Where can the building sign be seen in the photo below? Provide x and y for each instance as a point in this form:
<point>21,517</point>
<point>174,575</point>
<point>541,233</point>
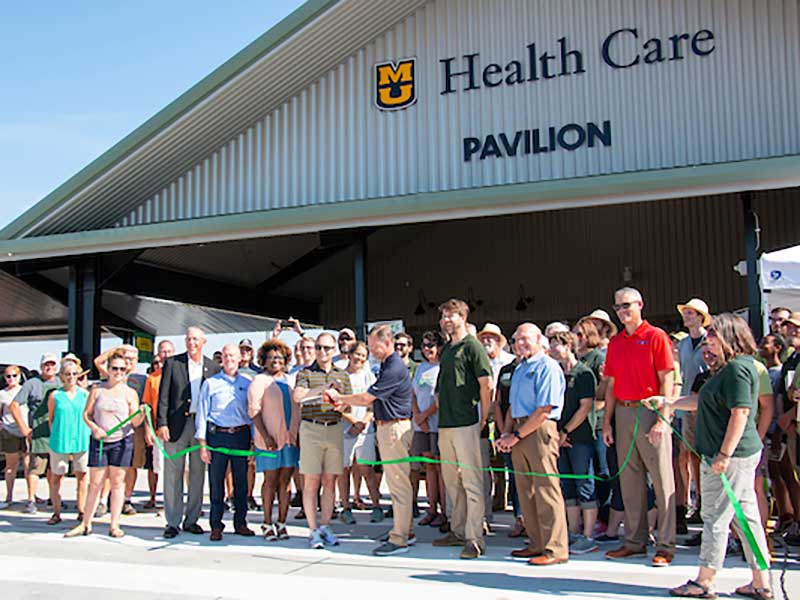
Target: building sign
<point>395,86</point>
<point>144,344</point>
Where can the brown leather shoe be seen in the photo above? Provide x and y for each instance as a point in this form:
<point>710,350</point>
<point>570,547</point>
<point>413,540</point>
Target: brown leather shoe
<point>216,535</point>
<point>624,552</point>
<point>543,560</point>
<point>662,559</point>
<point>525,552</point>
<point>244,530</point>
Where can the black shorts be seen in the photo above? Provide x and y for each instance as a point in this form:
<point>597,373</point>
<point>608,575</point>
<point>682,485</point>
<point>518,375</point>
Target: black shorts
<point>115,454</point>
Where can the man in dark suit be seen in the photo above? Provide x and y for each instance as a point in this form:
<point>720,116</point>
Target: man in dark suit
<point>181,378</point>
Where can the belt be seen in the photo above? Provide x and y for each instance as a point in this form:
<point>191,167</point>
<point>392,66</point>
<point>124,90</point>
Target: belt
<point>323,423</point>
<point>217,429</point>
<point>629,403</point>
<point>521,420</point>
<point>390,421</point>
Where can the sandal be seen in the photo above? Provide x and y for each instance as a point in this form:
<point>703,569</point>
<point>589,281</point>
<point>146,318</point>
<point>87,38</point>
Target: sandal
<point>116,533</point>
<point>692,589</point>
<point>78,530</point>
<point>54,520</point>
<point>359,504</point>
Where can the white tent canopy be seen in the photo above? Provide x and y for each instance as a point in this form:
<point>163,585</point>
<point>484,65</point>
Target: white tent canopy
<point>780,278</point>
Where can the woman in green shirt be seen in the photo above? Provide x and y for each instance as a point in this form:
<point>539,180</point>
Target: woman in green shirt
<point>727,439</point>
<point>69,437</point>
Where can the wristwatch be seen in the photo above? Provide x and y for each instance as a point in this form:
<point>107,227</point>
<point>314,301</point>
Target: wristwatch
<point>516,435</point>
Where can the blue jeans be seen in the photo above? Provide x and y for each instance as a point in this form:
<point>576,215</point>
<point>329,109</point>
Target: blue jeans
<point>578,461</point>
<point>602,488</point>
<point>512,484</point>
<point>239,440</point>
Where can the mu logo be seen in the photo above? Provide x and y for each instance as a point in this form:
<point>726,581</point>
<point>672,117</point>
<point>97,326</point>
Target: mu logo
<point>394,85</point>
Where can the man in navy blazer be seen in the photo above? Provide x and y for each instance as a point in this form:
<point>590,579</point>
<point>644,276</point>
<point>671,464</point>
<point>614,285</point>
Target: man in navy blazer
<point>181,378</point>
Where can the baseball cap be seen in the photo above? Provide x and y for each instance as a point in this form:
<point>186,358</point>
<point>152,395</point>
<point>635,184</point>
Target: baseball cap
<point>246,343</point>
<point>48,357</point>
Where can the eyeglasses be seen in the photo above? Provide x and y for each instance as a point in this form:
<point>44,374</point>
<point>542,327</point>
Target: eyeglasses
<point>624,305</point>
<point>777,320</point>
<point>70,374</point>
<point>512,341</point>
<point>322,348</point>
<point>118,369</point>
<point>275,357</point>
<point>400,345</point>
<point>427,345</point>
<point>711,332</point>
<point>11,375</point>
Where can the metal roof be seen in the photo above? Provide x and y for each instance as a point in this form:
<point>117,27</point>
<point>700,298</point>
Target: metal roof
<point>274,67</point>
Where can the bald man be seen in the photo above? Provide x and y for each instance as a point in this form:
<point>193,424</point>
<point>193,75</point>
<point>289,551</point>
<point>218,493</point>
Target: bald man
<point>181,379</point>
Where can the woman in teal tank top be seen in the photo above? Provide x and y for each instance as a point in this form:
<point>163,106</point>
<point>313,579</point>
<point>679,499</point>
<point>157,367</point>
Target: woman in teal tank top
<point>69,437</point>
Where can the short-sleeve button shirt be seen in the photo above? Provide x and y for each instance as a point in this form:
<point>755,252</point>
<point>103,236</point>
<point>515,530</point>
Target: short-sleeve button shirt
<point>634,360</point>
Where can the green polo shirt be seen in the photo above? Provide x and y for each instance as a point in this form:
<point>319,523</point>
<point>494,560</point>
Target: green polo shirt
<point>461,365</point>
<point>736,385</point>
<point>314,377</point>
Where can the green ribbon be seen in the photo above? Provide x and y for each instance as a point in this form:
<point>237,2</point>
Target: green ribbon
<point>436,461</point>
<point>146,409</point>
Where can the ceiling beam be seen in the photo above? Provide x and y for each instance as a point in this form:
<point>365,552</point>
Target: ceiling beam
<point>144,280</point>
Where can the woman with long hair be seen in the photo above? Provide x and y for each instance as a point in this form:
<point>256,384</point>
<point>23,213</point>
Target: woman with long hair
<point>727,439</point>
<point>275,419</point>
<point>69,437</point>
<point>109,404</point>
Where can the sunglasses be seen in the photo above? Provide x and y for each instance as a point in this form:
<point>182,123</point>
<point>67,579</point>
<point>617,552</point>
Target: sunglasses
<point>118,369</point>
<point>711,332</point>
<point>11,375</point>
<point>400,345</point>
<point>624,305</point>
<point>275,357</point>
<point>322,348</point>
<point>428,345</point>
<point>345,337</point>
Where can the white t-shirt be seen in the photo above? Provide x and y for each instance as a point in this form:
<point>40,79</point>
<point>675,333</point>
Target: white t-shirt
<point>7,421</point>
<point>424,387</point>
<point>361,382</point>
<point>195,380</point>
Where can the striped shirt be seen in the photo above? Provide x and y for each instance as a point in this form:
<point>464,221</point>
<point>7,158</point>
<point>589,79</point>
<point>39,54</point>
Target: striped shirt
<point>314,377</point>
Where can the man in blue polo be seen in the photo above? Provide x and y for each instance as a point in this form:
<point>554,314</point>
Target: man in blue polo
<point>390,397</point>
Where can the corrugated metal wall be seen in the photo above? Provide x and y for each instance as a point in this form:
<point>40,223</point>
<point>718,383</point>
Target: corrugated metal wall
<point>571,261</point>
<point>330,144</point>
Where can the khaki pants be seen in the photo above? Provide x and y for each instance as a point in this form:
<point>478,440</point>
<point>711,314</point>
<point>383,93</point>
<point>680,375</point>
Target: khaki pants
<point>463,487</point>
<point>394,441</point>
<point>645,458</point>
<point>488,477</point>
<point>540,498</point>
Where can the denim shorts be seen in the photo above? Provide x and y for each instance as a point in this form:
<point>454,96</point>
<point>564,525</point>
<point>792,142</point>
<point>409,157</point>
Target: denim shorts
<point>115,454</point>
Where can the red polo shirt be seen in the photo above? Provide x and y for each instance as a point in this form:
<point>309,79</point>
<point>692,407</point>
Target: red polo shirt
<point>635,360</point>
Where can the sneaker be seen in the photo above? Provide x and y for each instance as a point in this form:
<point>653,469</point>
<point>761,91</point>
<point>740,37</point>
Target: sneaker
<point>389,549</point>
<point>30,508</point>
<point>270,532</point>
<point>346,516</point>
<point>315,540</point>
<point>283,534</point>
<point>605,538</point>
<point>127,508</point>
<point>582,545</point>
<point>328,537</point>
<point>471,550</point>
<point>226,504</point>
<point>252,504</point>
<point>101,510</point>
<point>376,516</point>
<point>573,537</point>
<point>412,539</point>
<point>451,539</point>
<point>4,505</point>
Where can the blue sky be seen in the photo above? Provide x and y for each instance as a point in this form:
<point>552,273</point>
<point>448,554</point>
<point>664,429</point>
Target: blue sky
<point>78,76</point>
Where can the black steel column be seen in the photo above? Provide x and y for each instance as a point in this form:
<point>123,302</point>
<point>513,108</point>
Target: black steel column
<point>360,284</point>
<point>752,242</point>
<point>83,298</point>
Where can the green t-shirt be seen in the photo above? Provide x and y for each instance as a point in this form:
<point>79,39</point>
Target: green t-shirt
<point>581,383</point>
<point>457,385</point>
<point>734,386</point>
<point>595,359</point>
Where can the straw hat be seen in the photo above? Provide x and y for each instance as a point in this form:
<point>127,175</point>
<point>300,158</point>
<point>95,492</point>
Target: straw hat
<point>493,330</point>
<point>794,319</point>
<point>600,315</point>
<point>698,306</point>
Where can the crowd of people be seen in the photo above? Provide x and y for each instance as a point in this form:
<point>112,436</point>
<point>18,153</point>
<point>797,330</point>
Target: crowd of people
<point>598,428</point>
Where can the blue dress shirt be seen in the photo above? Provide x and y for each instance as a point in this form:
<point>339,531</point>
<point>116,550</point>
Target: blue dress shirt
<point>537,381</point>
<point>223,402</point>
